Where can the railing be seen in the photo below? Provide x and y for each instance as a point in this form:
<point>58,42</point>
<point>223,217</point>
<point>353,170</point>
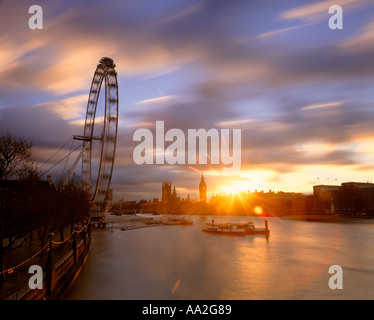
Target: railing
<point>57,276</point>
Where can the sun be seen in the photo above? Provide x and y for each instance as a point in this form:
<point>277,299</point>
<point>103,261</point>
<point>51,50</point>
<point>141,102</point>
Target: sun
<point>231,189</point>
<point>235,186</point>
<point>258,210</point>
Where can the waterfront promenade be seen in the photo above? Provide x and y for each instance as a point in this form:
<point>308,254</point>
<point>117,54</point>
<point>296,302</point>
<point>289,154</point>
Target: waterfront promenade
<point>18,261</point>
<point>16,283</point>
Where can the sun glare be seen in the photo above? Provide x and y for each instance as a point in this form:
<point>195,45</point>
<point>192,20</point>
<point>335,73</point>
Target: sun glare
<point>230,190</point>
<point>258,210</point>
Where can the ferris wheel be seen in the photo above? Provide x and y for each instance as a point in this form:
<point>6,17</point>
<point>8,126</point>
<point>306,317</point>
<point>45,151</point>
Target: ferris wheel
<point>100,135</point>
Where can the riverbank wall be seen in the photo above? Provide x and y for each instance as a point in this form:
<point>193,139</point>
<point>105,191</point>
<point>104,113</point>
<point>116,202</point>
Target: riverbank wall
<point>60,271</point>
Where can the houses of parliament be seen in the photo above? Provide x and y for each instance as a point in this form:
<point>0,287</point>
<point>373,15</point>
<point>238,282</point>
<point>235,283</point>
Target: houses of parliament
<point>171,203</point>
<point>169,196</point>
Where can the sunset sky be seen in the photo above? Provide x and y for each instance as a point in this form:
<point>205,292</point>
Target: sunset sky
<point>302,94</point>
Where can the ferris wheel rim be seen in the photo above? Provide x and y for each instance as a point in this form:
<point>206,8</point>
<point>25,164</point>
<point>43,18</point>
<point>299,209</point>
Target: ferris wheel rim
<point>104,72</point>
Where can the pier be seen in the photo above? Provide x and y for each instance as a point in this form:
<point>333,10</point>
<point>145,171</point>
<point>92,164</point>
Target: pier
<point>264,231</point>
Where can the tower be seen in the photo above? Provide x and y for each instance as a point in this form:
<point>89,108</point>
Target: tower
<point>166,191</point>
<point>174,195</point>
<point>202,189</point>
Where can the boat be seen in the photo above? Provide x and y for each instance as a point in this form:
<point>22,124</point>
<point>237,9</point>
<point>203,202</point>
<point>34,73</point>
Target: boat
<point>236,228</point>
<point>226,228</point>
<point>212,228</point>
<point>152,221</point>
<point>186,221</point>
<point>173,220</point>
<point>232,228</point>
<point>249,227</point>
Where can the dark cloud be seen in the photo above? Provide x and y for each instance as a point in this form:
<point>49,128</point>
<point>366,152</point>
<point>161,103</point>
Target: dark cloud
<point>37,124</point>
<point>327,63</point>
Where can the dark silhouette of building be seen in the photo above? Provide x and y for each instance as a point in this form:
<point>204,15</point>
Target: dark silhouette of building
<point>202,189</point>
<point>324,198</point>
<point>166,191</point>
<point>170,202</point>
<point>350,198</point>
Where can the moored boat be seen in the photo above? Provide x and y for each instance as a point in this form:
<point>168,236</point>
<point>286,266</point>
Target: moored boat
<point>173,220</point>
<point>152,221</point>
<point>248,227</point>
<point>226,228</point>
<point>186,221</point>
<point>236,228</point>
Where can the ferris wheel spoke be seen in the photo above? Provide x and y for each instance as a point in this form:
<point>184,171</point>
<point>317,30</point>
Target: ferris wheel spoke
<point>98,157</point>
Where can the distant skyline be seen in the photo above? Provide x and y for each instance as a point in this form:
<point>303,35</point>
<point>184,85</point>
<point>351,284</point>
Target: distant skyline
<point>302,94</point>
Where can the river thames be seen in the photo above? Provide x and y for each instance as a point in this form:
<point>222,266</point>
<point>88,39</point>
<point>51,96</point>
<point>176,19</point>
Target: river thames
<point>184,263</point>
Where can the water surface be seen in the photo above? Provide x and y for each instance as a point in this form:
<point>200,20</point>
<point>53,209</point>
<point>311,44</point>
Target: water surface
<point>182,262</point>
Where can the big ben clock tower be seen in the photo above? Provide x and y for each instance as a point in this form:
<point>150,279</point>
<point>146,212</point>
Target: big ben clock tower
<point>202,189</point>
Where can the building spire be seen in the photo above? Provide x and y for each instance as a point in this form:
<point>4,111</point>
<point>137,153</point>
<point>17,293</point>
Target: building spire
<point>202,189</point>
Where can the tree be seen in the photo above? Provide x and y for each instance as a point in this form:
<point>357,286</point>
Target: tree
<point>73,204</point>
<point>29,205</point>
<point>15,157</point>
<point>41,208</point>
<point>15,160</point>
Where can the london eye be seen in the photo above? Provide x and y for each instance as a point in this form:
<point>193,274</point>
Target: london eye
<point>100,136</point>
<point>99,139</point>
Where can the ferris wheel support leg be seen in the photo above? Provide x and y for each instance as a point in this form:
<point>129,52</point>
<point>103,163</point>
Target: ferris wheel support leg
<point>76,163</point>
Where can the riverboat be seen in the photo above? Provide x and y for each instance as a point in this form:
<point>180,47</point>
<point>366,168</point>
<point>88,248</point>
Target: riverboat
<point>248,227</point>
<point>226,228</point>
<point>233,228</point>
<point>173,220</point>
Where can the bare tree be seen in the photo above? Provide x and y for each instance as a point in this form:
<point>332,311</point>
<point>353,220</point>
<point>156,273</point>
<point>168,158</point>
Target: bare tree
<point>73,203</point>
<point>29,205</point>
<point>15,160</point>
<point>15,157</point>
